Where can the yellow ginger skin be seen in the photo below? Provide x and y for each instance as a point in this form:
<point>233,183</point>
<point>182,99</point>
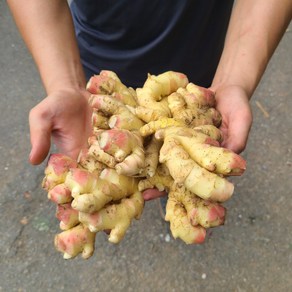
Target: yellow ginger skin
<point>179,110</point>
<point>208,116</point>
<point>211,131</point>
<point>88,162</point>
<point>152,156</point>
<point>216,159</point>
<point>152,104</point>
<point>92,193</point>
<point>99,154</point>
<point>181,226</point>
<point>107,82</point>
<point>154,111</point>
<point>160,180</point>
<point>191,115</point>
<point>119,115</point>
<point>67,216</point>
<point>74,241</point>
<point>60,194</point>
<point>199,136</point>
<point>127,149</point>
<point>164,135</point>
<point>163,85</point>
<point>196,179</point>
<point>115,217</point>
<point>80,181</point>
<point>197,96</point>
<point>118,143</point>
<point>188,214</point>
<point>200,212</point>
<point>100,84</point>
<point>162,123</point>
<point>99,120</point>
<point>57,168</point>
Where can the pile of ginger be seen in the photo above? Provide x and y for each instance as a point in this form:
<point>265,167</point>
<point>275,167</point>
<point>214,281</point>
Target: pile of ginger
<point>164,135</point>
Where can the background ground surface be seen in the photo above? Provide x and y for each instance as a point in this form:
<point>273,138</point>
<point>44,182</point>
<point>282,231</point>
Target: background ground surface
<point>252,252</point>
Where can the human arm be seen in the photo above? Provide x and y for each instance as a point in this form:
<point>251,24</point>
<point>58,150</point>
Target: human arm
<point>255,29</point>
<point>47,29</point>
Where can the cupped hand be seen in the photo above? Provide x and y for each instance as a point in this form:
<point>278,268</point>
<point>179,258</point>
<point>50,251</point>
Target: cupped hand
<point>233,104</point>
<point>63,116</point>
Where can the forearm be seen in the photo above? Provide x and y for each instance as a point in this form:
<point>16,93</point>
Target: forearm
<point>48,31</point>
<point>255,29</point>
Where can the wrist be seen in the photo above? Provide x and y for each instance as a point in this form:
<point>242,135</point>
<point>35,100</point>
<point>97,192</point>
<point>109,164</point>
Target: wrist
<point>66,85</point>
<point>73,93</point>
<point>223,89</point>
<point>71,77</point>
<point>231,74</point>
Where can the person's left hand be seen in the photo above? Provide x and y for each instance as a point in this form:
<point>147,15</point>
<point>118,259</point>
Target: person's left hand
<point>233,104</point>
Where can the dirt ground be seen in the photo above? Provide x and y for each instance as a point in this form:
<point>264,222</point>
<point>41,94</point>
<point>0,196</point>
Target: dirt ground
<point>251,252</point>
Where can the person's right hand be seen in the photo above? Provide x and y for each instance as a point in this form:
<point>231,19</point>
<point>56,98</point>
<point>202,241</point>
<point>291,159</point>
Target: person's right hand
<point>66,117</point>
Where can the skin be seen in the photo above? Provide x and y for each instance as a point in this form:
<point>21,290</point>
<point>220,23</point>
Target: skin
<point>255,29</point>
<point>64,115</point>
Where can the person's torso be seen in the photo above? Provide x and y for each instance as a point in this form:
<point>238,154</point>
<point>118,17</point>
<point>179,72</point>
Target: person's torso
<point>134,38</point>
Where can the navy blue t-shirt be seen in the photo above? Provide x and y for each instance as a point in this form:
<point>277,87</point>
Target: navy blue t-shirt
<point>133,38</point>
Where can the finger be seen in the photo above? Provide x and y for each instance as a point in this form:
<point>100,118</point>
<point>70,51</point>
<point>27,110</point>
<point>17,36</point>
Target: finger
<point>40,137</point>
<point>151,194</point>
<point>237,135</point>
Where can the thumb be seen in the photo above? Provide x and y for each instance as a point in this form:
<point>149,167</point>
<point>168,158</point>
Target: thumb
<point>40,137</point>
<point>236,142</point>
<point>237,135</point>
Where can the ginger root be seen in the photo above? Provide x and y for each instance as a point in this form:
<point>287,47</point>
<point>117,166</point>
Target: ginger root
<point>74,241</point>
<point>81,194</point>
<point>115,217</point>
<point>107,82</point>
<point>164,135</point>
<point>152,97</point>
<point>113,113</point>
<point>186,123</point>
